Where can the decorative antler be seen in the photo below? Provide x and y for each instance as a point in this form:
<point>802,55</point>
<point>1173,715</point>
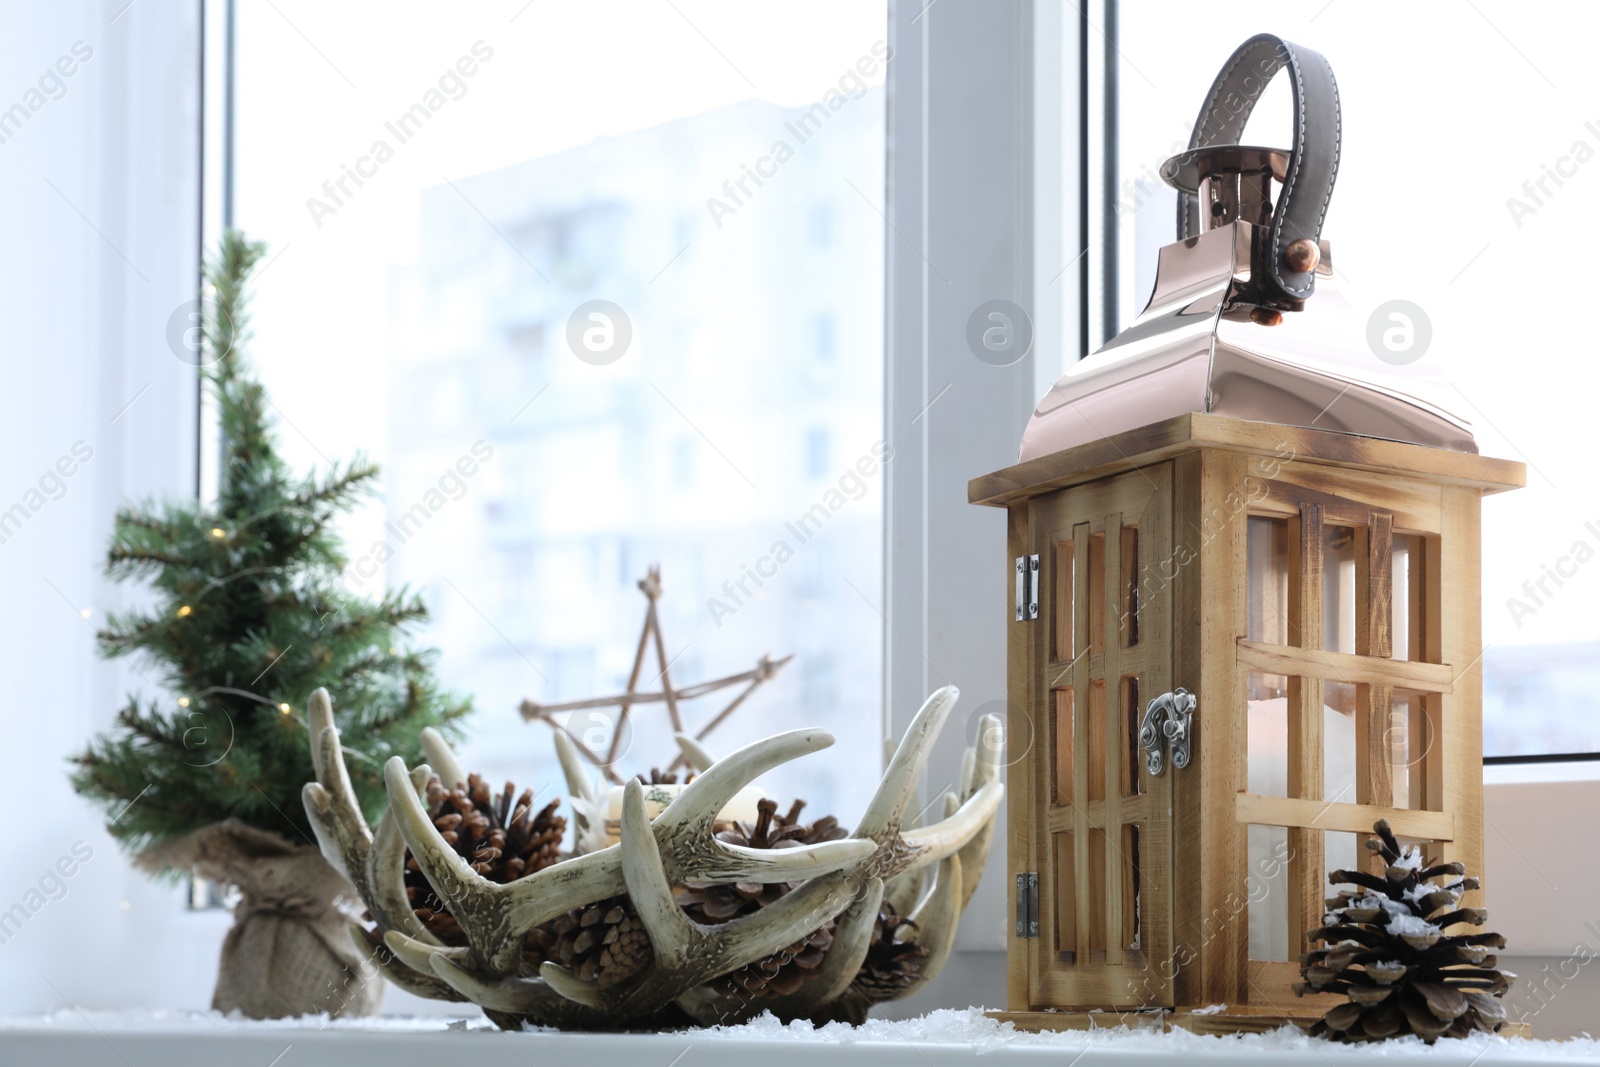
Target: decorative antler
<point>839,881</point>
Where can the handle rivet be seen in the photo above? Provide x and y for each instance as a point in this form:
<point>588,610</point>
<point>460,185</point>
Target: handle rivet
<point>1265,316</point>
<point>1302,255</point>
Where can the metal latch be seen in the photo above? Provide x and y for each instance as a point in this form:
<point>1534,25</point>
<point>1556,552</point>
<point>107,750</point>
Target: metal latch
<point>1028,904</point>
<point>1170,718</point>
<point>1027,575</point>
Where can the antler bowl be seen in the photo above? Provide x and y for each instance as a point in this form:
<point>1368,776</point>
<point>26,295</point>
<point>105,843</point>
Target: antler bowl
<point>926,873</point>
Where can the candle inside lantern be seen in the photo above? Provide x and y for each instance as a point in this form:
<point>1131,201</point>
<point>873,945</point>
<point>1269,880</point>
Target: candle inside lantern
<point>741,807</point>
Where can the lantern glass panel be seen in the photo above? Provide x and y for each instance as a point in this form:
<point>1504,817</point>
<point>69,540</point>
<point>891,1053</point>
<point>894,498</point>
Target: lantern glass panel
<point>1128,596</point>
<point>1406,626</point>
<point>1267,735</point>
<point>1064,745</point>
<point>1338,589</point>
<point>1408,741</point>
<point>1097,917</point>
<point>1342,852</point>
<point>1064,620</point>
<point>1268,893</point>
<point>1130,886</point>
<point>1339,742</point>
<point>1097,593</point>
<point>1066,897</point>
<point>1097,741</point>
<point>1267,563</point>
<point>1131,785</point>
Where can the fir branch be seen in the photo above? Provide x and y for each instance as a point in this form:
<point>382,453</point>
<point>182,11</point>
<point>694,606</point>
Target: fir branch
<point>341,488</point>
<point>129,519</point>
<point>137,558</point>
<point>148,728</point>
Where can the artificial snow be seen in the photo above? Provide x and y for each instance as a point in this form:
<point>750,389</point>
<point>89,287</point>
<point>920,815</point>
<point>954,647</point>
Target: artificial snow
<point>966,1032</point>
<point>1422,889</point>
<point>1407,925</point>
<point>970,1027</point>
<point>1397,909</point>
<point>1410,858</point>
<point>135,1020</point>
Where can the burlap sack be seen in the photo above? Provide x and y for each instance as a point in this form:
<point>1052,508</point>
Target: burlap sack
<point>288,952</point>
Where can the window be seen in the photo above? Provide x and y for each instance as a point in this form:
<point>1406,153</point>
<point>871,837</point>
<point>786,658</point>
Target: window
<point>488,242</point>
<point>826,340</point>
<point>1524,209</point>
<point>820,229</point>
<point>817,458</point>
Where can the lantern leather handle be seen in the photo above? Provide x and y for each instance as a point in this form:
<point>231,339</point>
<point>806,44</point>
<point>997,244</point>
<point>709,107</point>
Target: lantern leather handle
<point>1313,161</point>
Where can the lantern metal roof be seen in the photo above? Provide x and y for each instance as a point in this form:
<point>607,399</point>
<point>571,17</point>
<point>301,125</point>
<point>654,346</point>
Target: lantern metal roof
<point>1207,343</point>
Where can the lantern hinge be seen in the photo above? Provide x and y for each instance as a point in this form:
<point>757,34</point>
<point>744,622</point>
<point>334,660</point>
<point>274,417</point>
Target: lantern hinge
<point>1028,904</point>
<point>1026,570</point>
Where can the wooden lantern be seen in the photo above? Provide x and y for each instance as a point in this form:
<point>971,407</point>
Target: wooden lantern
<point>1243,560</point>
<point>1317,594</point>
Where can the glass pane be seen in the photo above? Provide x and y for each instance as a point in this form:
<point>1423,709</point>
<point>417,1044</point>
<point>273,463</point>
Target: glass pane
<point>1097,893</point>
<point>1129,606</point>
<point>1130,886</point>
<point>1541,698</point>
<point>1409,602</point>
<point>1097,741</point>
<point>1338,589</point>
<point>1409,742</point>
<point>1064,620</point>
<point>591,271</point>
<point>1132,783</point>
<point>1097,594</point>
<point>1267,561</point>
<point>1064,746</point>
<point>1268,893</point>
<point>1341,852</point>
<point>1066,896</point>
<point>1339,742</point>
<point>1267,735</point>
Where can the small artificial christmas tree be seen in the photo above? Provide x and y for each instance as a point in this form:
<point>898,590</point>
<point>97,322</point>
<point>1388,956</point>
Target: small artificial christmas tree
<point>248,617</point>
<point>1386,949</point>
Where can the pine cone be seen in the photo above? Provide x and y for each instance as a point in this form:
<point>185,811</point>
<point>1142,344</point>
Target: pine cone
<point>892,965</point>
<point>786,970</point>
<point>1385,949</point>
<point>501,840</point>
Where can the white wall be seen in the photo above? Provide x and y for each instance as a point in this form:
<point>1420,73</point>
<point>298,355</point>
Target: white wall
<point>1541,866</point>
<point>98,226</point>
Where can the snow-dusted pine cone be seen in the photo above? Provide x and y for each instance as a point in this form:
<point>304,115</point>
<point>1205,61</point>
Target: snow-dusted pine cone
<point>1385,948</point>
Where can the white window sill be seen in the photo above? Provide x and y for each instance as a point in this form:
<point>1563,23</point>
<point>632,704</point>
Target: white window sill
<point>116,1039</point>
<point>1566,771</point>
